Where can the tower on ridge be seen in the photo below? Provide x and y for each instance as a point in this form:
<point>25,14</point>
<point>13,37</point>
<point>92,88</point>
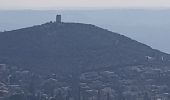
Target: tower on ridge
<point>58,19</point>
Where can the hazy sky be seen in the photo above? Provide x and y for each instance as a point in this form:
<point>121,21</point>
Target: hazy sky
<point>51,4</point>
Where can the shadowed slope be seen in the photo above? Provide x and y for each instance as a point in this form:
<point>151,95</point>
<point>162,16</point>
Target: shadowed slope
<point>72,46</point>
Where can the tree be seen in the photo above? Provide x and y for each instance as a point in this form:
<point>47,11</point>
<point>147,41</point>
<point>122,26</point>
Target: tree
<point>17,97</point>
<point>108,96</point>
<point>146,96</point>
<point>59,96</point>
<point>98,95</point>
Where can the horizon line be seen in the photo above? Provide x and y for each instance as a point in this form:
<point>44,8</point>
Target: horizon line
<point>87,8</point>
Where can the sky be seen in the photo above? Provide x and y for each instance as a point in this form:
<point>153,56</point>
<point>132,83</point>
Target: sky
<point>54,4</point>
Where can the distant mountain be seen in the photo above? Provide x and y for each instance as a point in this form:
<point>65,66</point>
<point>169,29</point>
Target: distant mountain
<point>73,47</point>
<point>145,25</point>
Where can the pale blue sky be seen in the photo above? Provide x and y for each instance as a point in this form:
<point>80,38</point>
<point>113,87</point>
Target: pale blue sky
<point>54,4</point>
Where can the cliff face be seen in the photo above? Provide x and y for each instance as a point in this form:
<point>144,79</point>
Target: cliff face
<point>68,47</point>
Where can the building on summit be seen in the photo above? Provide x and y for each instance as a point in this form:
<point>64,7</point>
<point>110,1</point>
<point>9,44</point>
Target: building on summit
<point>58,19</point>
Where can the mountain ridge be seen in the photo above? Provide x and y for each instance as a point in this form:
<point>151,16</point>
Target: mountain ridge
<point>60,47</point>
